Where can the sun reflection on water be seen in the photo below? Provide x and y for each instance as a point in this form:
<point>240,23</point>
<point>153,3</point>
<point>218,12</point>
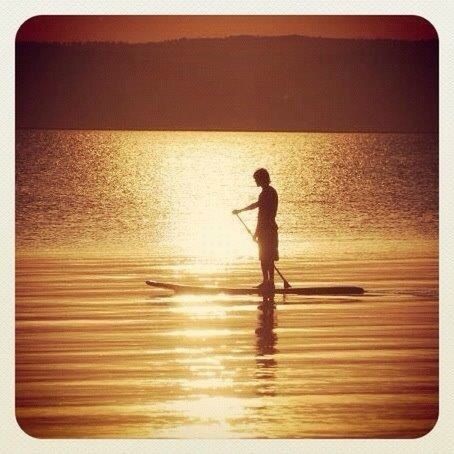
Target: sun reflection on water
<point>211,312</point>
<point>209,416</point>
<point>209,383</point>
<point>200,333</point>
<point>198,191</point>
<point>208,407</point>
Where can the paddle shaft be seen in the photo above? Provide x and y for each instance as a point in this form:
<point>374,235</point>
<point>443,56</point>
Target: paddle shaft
<point>286,283</point>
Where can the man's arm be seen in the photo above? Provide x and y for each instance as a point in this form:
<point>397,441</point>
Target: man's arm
<point>252,206</point>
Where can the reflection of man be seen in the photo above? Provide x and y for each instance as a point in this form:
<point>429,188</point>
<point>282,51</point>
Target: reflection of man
<point>266,231</point>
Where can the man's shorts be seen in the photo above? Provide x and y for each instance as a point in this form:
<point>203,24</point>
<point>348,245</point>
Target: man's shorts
<point>268,245</point>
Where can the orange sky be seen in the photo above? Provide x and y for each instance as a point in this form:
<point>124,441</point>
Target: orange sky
<point>159,28</point>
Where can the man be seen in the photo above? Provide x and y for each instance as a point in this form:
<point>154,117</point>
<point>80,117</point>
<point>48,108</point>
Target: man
<point>266,231</point>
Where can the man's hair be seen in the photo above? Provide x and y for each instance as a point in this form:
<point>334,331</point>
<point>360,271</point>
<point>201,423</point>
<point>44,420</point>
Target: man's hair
<point>262,175</point>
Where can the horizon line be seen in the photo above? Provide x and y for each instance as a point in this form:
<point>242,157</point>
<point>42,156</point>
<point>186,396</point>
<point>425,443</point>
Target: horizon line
<point>229,130</point>
<point>207,38</point>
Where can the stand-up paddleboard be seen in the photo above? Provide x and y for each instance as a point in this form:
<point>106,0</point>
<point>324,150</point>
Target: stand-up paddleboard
<point>194,289</point>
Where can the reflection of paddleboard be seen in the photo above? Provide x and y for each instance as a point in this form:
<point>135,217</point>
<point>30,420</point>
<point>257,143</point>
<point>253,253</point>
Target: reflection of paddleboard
<point>343,290</point>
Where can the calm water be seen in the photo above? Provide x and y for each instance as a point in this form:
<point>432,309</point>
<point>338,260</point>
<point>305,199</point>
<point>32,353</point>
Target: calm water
<point>161,193</point>
<point>98,354</point>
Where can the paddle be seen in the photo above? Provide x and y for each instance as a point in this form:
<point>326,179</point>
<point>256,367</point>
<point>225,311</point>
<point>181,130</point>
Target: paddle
<point>286,283</point>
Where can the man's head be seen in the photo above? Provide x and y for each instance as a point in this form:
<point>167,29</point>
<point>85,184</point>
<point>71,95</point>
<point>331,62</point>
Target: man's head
<point>262,177</point>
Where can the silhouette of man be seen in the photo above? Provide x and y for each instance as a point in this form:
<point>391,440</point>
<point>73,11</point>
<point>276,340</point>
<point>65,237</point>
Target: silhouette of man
<point>266,232</point>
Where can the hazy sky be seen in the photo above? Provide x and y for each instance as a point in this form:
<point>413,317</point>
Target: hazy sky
<point>159,28</point>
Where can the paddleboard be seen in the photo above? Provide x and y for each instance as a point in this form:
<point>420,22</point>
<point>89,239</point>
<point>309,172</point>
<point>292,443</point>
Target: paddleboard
<point>194,289</point>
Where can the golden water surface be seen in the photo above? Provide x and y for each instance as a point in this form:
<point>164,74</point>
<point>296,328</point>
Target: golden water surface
<point>100,354</point>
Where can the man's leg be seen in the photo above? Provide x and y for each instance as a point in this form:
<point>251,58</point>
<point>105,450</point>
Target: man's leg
<point>264,266</point>
<point>271,272</point>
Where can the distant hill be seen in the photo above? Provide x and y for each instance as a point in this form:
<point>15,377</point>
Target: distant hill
<point>289,83</point>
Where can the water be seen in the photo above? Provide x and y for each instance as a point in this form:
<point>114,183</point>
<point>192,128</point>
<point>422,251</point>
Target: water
<point>99,354</point>
<point>161,193</point>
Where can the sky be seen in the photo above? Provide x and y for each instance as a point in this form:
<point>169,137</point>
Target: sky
<point>136,29</point>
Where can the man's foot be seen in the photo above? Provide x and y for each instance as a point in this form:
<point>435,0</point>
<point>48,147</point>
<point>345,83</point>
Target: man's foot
<point>262,285</point>
<point>266,288</point>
